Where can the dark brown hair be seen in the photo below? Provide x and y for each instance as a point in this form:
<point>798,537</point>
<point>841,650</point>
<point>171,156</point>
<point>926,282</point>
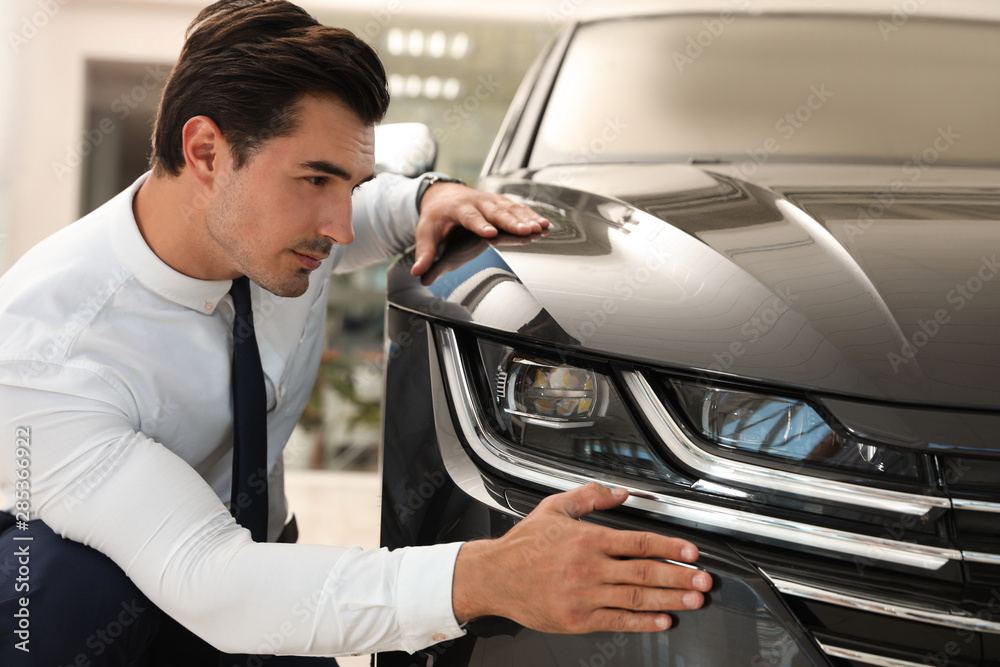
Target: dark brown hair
<point>247,63</point>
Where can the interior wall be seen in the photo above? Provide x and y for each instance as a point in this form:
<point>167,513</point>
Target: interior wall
<point>48,126</point>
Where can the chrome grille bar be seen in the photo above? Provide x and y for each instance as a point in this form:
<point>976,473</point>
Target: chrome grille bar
<point>866,658</point>
<point>936,616</point>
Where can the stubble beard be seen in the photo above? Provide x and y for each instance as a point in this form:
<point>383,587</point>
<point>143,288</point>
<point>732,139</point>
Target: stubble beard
<point>226,223</point>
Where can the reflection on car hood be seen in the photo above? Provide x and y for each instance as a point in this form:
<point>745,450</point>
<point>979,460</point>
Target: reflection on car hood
<point>862,281</point>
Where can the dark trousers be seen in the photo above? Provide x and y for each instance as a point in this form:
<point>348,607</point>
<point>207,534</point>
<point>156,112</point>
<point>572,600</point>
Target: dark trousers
<point>70,605</point>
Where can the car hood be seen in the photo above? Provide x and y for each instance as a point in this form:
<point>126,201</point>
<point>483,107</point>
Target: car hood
<point>872,282</point>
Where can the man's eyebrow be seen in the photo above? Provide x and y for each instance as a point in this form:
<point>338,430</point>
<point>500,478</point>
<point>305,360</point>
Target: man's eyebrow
<point>325,167</point>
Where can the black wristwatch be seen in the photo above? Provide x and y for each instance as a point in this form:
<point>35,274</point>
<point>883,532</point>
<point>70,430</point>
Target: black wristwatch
<point>429,179</point>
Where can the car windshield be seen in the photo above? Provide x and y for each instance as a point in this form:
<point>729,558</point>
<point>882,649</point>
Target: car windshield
<point>776,87</point>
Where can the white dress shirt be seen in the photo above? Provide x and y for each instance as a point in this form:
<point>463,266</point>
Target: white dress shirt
<point>120,368</point>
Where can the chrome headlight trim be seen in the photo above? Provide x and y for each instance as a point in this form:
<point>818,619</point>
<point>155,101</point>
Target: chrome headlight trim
<point>497,455</point>
<point>767,479</point>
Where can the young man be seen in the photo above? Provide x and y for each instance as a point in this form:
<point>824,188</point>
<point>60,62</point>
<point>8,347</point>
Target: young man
<point>117,337</point>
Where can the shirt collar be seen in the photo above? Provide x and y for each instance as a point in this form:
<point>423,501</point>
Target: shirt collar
<point>154,274</point>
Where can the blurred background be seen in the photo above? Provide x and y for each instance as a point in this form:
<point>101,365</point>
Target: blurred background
<point>81,80</point>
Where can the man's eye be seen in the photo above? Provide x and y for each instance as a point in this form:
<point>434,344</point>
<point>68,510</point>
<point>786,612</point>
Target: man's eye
<point>316,180</point>
<point>355,189</point>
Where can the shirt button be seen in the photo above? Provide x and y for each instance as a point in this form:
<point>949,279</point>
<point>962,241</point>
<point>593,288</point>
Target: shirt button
<point>438,637</point>
<point>208,306</point>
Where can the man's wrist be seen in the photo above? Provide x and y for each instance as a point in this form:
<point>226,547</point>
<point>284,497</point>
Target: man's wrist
<point>429,179</point>
<point>466,600</point>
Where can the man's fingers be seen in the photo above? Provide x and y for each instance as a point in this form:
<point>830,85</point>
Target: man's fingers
<point>591,497</point>
<point>423,256</point>
<point>641,598</point>
<point>427,238</point>
<point>476,221</point>
<point>627,621</point>
<point>508,222</point>
<point>635,544</point>
<point>516,218</point>
<point>422,261</point>
<point>654,573</point>
<point>585,499</point>
<point>509,215</point>
<point>489,212</point>
<point>638,609</point>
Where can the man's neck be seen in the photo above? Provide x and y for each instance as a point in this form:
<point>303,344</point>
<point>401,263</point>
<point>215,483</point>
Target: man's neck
<point>173,227</point>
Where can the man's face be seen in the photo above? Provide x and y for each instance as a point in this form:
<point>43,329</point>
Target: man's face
<point>277,217</point>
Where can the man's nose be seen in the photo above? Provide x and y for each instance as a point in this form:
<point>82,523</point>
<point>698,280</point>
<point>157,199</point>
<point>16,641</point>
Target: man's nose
<point>336,222</point>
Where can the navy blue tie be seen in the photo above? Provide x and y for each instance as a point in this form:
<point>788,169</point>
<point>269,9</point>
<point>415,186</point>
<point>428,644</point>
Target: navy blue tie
<point>249,499</point>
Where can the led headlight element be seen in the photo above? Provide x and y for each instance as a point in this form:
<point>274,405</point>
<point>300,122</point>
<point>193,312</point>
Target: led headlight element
<point>556,396</point>
<point>785,428</point>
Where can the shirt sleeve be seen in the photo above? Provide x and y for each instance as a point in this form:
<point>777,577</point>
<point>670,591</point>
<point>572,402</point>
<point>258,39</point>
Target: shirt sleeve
<point>385,221</point>
<point>97,481</point>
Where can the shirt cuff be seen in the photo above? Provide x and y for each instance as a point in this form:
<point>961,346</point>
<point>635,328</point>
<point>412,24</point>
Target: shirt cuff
<point>423,598</point>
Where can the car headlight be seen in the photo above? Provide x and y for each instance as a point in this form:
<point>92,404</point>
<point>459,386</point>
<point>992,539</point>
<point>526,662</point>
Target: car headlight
<point>786,429</point>
<point>566,414</point>
<point>553,396</point>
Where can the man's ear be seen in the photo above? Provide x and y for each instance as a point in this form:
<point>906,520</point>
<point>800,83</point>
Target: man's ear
<point>204,148</point>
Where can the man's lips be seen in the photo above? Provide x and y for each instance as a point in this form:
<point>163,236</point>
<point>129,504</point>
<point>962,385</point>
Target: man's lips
<point>311,262</point>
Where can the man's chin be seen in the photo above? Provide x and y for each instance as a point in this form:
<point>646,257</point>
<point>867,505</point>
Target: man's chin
<point>287,287</point>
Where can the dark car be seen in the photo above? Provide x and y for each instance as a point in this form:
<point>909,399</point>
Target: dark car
<point>768,305</point>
